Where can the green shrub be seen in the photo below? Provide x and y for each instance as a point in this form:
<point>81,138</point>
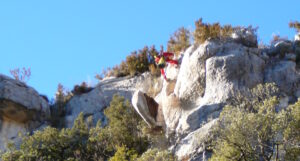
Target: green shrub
<point>256,133</point>
<point>136,63</point>
<point>82,143</point>
<point>82,88</point>
<point>157,155</point>
<point>58,108</point>
<point>179,41</point>
<point>124,154</point>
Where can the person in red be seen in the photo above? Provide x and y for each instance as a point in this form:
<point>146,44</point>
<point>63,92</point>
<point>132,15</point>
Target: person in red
<point>162,59</point>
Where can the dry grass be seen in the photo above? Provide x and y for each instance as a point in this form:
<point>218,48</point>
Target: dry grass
<point>170,87</point>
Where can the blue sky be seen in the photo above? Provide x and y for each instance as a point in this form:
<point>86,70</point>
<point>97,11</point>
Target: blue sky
<point>69,41</point>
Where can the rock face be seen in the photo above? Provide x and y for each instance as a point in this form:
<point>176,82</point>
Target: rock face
<point>94,102</point>
<point>284,74</point>
<point>148,109</point>
<point>194,143</point>
<point>246,36</point>
<point>212,74</point>
<point>22,110</point>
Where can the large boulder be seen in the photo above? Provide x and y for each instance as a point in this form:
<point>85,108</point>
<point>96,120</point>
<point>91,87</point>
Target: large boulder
<point>191,78</point>
<point>22,110</point>
<point>94,102</point>
<point>148,109</point>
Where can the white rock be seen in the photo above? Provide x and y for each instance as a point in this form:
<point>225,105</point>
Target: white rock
<point>191,78</point>
<point>192,145</point>
<point>140,104</point>
<point>94,102</point>
<point>18,92</point>
<point>22,110</point>
<point>297,37</point>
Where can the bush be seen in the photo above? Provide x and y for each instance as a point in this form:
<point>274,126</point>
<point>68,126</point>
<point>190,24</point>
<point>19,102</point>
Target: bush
<point>179,41</point>
<point>295,25</point>
<point>121,135</point>
<point>81,89</point>
<point>58,107</point>
<point>157,155</point>
<point>256,133</point>
<point>204,31</point>
<point>136,63</point>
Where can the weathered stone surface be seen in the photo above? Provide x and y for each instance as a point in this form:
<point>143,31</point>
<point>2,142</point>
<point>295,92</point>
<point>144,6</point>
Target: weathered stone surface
<point>193,145</point>
<point>284,74</point>
<point>94,102</point>
<point>281,47</point>
<point>233,69</point>
<point>22,110</point>
<point>20,93</point>
<point>245,36</point>
<point>191,78</point>
<point>148,109</point>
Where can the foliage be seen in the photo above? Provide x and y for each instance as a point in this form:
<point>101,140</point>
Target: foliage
<point>204,31</point>
<point>21,75</point>
<point>124,154</point>
<point>291,124</point>
<point>123,129</point>
<point>295,25</point>
<point>156,155</point>
<point>179,41</point>
<point>57,108</point>
<point>120,138</point>
<point>136,63</point>
<point>82,88</point>
<point>255,133</point>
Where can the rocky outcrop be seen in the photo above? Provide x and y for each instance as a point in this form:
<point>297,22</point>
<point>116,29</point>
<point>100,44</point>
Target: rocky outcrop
<point>94,102</point>
<point>211,75</point>
<point>245,36</point>
<point>194,146</point>
<point>22,110</point>
<point>285,75</point>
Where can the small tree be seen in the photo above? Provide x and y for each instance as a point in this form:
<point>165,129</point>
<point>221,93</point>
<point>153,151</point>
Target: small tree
<point>179,41</point>
<point>21,75</point>
<point>295,25</point>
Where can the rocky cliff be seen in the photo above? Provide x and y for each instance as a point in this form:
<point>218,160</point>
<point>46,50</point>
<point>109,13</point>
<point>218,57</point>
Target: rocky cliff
<point>210,76</point>
<point>22,110</point>
<point>186,106</point>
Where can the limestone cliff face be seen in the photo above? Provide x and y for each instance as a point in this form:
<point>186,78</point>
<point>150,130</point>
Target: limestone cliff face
<point>22,110</point>
<point>209,76</point>
<point>186,106</point>
<point>93,103</point>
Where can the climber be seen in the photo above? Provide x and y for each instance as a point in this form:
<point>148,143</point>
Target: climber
<point>162,59</point>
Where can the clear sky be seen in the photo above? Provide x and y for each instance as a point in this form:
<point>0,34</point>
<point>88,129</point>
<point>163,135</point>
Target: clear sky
<point>69,41</point>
